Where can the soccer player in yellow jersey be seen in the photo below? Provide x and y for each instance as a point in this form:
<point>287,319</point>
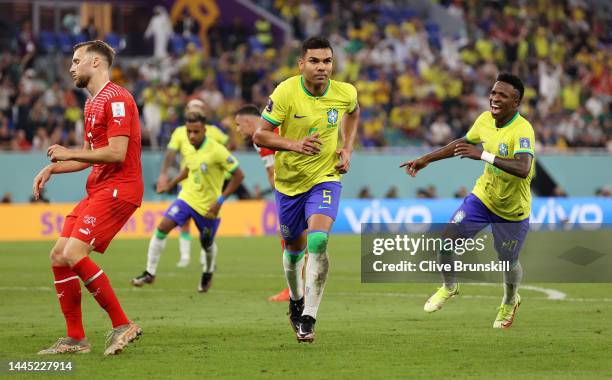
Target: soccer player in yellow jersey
<point>309,110</point>
<point>200,199</point>
<point>502,194</point>
<point>179,144</point>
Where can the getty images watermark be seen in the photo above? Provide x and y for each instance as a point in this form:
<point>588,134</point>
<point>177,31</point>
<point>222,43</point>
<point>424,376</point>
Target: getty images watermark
<point>412,246</point>
<point>422,252</point>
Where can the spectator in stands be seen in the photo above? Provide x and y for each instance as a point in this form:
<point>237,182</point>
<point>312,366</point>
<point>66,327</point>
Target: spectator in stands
<point>391,193</point>
<point>160,29</point>
<point>364,193</point>
<point>7,198</point>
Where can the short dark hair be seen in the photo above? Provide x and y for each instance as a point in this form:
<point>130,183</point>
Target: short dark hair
<point>316,43</point>
<point>100,47</point>
<point>514,81</point>
<point>195,117</point>
<point>248,109</point>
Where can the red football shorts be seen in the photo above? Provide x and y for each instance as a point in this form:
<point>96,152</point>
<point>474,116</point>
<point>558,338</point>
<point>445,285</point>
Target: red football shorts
<point>96,219</point>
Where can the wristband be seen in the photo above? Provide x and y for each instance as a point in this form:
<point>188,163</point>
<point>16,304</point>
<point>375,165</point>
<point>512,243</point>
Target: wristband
<point>221,199</point>
<point>488,157</point>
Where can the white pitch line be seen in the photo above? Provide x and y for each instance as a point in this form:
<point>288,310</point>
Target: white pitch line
<point>551,294</point>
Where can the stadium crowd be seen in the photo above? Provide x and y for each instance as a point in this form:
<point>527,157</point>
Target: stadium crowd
<point>416,85</point>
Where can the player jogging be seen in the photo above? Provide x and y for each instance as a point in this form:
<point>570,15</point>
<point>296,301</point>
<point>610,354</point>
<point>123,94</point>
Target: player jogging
<point>247,121</point>
<point>308,109</point>
<point>114,191</point>
<point>501,196</point>
<point>200,199</point>
<point>179,144</point>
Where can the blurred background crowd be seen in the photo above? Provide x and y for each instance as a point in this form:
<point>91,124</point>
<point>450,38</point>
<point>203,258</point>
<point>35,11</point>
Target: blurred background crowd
<point>421,81</point>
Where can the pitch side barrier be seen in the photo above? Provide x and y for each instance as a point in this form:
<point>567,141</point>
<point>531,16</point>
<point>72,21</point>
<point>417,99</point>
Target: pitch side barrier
<point>258,218</point>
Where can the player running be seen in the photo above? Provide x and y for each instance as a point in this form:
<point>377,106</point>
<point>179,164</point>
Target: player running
<point>309,109</point>
<point>200,199</point>
<point>114,191</point>
<point>179,145</point>
<point>502,195</point>
<point>247,120</point>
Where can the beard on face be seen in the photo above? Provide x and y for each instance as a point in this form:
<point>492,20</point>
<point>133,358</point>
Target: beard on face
<point>81,82</point>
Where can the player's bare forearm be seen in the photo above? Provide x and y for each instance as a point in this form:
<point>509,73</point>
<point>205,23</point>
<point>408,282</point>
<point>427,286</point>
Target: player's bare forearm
<point>450,150</point>
<point>111,153</point>
<point>447,151</point>
<point>67,167</point>
<point>348,128</point>
<point>266,138</point>
<point>519,166</point>
<point>234,183</point>
<point>176,180</point>
<point>270,173</point>
<point>169,158</point>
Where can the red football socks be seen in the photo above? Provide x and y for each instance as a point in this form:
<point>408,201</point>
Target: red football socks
<point>99,286</point>
<point>68,288</point>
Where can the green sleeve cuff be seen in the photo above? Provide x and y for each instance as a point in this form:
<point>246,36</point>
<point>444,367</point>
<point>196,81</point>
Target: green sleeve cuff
<point>270,120</point>
<point>232,170</point>
<point>524,151</point>
<point>468,140</point>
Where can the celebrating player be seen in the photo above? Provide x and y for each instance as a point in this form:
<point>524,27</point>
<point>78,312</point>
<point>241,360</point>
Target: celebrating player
<point>247,120</point>
<point>308,109</point>
<point>179,144</point>
<point>114,191</point>
<point>200,199</point>
<point>502,194</point>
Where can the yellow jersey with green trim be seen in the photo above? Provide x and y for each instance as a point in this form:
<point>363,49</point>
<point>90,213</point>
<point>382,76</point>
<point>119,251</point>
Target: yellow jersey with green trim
<point>207,166</point>
<point>506,195</point>
<point>180,142</point>
<point>298,114</point>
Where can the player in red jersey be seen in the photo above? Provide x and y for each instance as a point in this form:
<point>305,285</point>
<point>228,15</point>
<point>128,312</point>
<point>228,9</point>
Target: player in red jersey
<point>114,191</point>
<point>247,120</point>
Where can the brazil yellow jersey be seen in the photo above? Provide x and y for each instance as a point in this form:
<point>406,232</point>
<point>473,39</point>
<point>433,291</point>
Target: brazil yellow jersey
<point>207,166</point>
<point>506,195</point>
<point>180,142</point>
<point>299,114</point>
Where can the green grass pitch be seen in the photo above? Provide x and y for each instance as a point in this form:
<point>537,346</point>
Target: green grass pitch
<point>363,330</point>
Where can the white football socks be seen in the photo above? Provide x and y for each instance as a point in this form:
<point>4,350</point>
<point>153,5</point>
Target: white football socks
<point>293,263</point>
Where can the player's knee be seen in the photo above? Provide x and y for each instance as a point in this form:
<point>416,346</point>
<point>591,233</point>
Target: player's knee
<point>207,241</point>
<point>317,242</point>
<point>57,256</point>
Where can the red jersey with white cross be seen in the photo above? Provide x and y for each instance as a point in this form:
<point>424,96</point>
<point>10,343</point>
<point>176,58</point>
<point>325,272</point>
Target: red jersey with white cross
<point>113,112</point>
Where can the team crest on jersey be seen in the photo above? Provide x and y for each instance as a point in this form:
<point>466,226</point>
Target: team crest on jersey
<point>459,215</point>
<point>503,149</point>
<point>332,116</point>
<point>524,143</point>
<point>284,230</point>
<point>270,105</point>
<point>203,167</point>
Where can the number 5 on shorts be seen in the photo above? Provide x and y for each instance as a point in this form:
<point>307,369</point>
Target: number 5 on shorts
<point>327,196</point>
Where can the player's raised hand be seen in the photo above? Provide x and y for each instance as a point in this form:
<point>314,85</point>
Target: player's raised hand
<point>309,145</point>
<point>413,166</point>
<point>58,153</point>
<point>39,182</point>
<point>465,150</point>
<point>344,161</point>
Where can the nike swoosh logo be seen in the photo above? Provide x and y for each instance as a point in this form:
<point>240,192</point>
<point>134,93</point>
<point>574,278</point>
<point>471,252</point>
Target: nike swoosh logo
<point>299,117</point>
